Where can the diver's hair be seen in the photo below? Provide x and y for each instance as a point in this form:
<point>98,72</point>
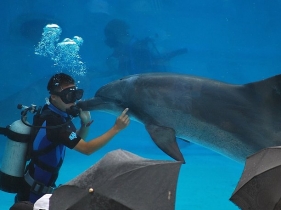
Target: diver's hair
<point>59,80</point>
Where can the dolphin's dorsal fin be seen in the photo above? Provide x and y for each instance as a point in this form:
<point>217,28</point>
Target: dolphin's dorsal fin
<point>165,139</point>
<point>271,83</point>
<point>267,93</point>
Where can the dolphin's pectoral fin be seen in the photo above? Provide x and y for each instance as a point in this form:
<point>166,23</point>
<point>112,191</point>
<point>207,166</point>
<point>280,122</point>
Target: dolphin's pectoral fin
<point>165,139</point>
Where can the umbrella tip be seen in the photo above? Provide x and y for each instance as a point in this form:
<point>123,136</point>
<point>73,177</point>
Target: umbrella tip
<point>91,190</point>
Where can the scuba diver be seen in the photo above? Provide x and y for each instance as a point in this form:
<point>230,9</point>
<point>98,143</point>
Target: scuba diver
<point>53,131</point>
<point>131,55</point>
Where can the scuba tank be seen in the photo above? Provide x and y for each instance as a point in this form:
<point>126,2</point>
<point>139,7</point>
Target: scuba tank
<point>20,136</point>
<point>14,157</point>
<point>15,153</point>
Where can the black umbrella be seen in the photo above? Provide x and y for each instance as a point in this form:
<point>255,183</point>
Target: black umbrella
<point>121,180</point>
<point>259,187</point>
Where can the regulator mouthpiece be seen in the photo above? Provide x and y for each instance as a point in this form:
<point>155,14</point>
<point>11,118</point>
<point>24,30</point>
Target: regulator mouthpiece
<point>74,111</point>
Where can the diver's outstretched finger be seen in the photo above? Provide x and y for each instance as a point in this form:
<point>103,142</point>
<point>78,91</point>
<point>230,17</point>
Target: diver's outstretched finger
<point>124,112</point>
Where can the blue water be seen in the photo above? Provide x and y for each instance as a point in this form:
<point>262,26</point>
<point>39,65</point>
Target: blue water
<point>233,41</point>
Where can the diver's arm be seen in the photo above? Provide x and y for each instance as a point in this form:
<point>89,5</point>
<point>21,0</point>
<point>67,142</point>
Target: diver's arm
<point>95,144</point>
<point>172,54</point>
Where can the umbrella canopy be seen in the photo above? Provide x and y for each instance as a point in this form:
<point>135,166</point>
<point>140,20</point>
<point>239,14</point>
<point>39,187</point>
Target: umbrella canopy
<point>259,187</point>
<point>121,180</point>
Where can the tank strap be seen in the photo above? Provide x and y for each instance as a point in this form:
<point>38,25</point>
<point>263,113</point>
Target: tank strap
<point>37,187</point>
<point>46,167</point>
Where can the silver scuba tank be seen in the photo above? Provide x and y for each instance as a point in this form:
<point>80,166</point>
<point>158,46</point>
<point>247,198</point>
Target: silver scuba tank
<point>14,157</point>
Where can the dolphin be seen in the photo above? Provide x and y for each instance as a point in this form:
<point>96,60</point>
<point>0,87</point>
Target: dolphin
<point>233,120</point>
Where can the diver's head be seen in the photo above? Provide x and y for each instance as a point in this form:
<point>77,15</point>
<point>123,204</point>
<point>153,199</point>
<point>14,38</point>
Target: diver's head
<point>115,32</point>
<point>63,92</point>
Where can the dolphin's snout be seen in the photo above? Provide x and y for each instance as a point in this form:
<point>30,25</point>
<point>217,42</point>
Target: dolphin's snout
<point>90,104</point>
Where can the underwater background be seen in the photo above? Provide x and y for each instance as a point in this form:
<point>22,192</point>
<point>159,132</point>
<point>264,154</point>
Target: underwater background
<point>233,41</point>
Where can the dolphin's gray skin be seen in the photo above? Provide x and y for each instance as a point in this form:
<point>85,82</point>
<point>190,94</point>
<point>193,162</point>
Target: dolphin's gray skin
<point>234,120</point>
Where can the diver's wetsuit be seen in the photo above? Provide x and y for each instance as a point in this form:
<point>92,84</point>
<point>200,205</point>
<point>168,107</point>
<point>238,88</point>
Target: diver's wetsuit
<point>48,152</point>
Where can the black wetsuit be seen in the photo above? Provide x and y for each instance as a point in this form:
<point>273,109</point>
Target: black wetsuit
<point>48,152</point>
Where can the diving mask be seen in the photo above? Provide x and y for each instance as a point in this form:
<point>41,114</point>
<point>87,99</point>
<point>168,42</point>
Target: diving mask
<point>69,95</point>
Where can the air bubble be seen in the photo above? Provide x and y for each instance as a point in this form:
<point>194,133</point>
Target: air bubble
<point>65,54</point>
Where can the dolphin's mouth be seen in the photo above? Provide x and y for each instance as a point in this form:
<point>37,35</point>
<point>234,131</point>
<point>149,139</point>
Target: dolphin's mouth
<point>90,104</point>
<point>96,102</point>
<point>107,100</point>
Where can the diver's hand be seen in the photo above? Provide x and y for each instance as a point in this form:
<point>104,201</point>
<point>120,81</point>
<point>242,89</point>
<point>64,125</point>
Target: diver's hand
<point>85,116</point>
<point>122,121</point>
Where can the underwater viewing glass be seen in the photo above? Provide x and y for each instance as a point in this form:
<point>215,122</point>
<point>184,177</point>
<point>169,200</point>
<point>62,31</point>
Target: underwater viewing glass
<point>70,95</point>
